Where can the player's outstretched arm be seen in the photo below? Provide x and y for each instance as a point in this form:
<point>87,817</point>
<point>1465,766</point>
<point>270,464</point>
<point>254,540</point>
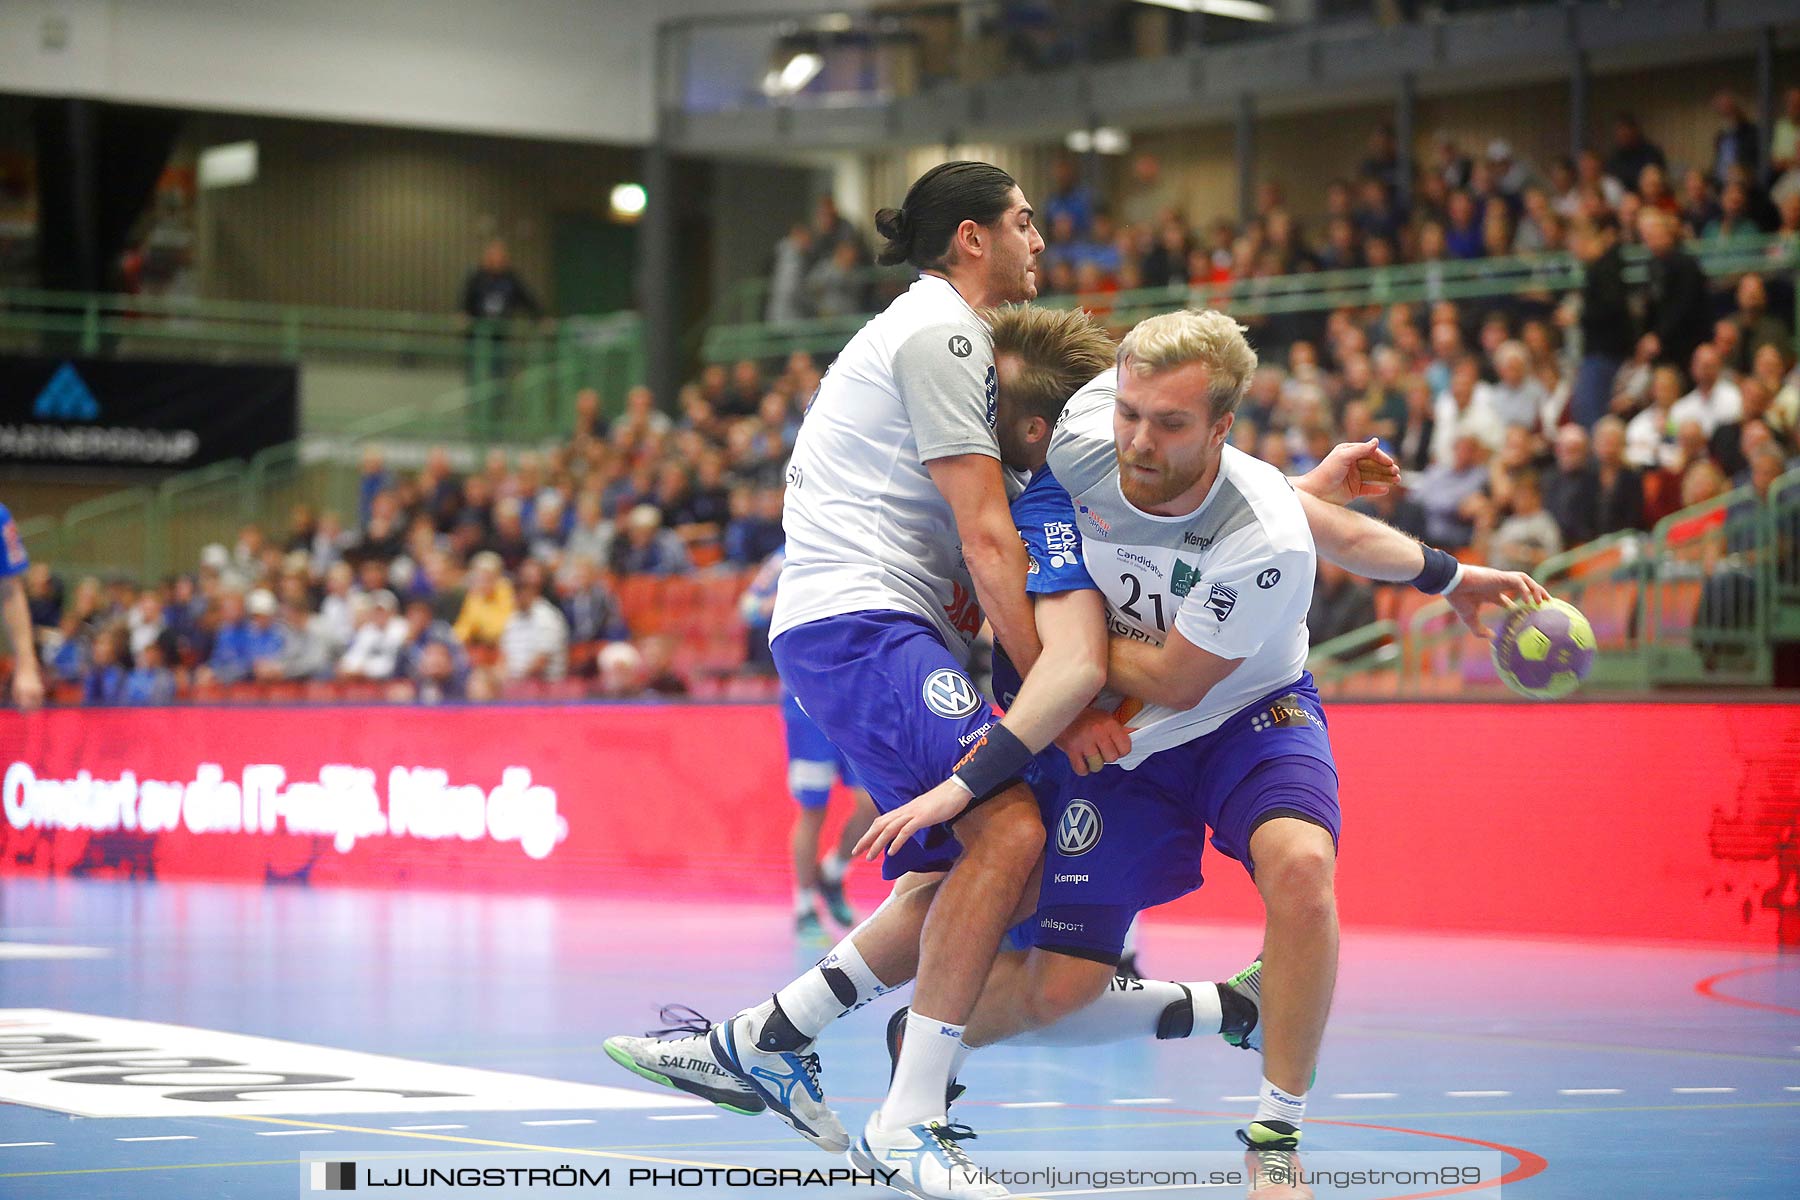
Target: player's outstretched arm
<point>1375,550</point>
<point>1068,674</point>
<point>1351,470</point>
<point>976,490</point>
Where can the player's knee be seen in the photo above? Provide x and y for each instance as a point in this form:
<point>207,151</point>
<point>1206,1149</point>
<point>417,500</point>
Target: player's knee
<point>1065,986</point>
<point>1298,876</point>
<point>1012,831</point>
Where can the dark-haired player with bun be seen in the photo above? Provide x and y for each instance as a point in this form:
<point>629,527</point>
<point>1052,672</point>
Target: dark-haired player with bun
<point>899,540</point>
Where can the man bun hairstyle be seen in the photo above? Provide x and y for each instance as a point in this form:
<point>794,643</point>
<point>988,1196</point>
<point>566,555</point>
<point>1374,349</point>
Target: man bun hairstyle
<point>921,229</point>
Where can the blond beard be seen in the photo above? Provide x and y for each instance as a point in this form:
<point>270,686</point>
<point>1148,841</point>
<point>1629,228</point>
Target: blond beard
<point>1166,487</point>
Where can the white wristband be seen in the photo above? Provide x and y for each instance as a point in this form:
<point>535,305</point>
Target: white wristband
<point>958,781</point>
<point>1454,580</point>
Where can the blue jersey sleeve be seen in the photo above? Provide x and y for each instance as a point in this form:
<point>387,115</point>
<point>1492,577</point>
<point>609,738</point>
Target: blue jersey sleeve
<point>12,546</point>
<point>1045,517</point>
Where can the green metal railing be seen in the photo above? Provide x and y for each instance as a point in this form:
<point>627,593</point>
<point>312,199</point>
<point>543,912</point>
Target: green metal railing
<point>1313,291</point>
<point>1783,540</point>
<point>1706,594</point>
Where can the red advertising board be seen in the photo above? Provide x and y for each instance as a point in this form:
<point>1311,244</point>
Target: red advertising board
<point>1664,821</point>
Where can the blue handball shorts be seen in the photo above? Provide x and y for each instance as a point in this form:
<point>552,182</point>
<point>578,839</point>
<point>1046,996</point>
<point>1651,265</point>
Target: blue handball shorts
<point>814,764</point>
<point>889,694</point>
<point>1120,841</point>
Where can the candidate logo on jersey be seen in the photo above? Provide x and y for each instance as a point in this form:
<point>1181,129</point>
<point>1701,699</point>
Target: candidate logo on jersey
<point>1184,579</point>
<point>1268,579</point>
<point>948,693</point>
<point>1221,600</point>
<point>1079,829</point>
<point>961,346</point>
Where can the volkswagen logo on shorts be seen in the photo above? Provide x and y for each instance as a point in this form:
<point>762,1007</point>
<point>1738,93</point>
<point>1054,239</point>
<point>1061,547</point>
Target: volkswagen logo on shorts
<point>949,694</point>
<point>1079,830</point>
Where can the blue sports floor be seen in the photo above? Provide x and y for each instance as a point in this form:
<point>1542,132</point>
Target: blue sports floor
<point>1600,1071</point>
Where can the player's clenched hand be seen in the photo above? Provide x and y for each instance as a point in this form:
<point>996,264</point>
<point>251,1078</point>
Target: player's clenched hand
<point>1352,469</point>
<point>891,829</point>
<point>1094,739</point>
<point>1482,586</point>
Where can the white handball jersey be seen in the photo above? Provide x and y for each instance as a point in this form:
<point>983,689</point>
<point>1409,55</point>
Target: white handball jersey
<point>866,527</point>
<point>1234,577</point>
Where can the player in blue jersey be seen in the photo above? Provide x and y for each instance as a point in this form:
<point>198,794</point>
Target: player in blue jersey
<point>27,678</point>
<point>814,766</point>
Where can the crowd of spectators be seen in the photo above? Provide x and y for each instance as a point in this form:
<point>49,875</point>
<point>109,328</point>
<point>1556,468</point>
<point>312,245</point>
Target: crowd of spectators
<point>448,585</point>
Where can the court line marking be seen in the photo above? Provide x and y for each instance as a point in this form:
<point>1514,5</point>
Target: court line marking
<point>413,1128</point>
<point>15,1145</point>
<point>291,1132</point>
<point>567,1121</point>
<point>1708,987</point>
<point>1365,1095</point>
<point>1590,1091</point>
<point>1477,1095</point>
<point>687,1117</point>
<point>1144,1100</point>
<point>1701,1091</point>
<point>1238,1099</point>
<point>1555,1044</point>
<point>166,1137</point>
<point>1033,1104</point>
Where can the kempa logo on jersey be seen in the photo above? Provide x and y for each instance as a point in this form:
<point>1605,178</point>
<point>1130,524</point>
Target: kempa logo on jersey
<point>950,695</point>
<point>1078,831</point>
<point>1195,540</point>
<point>1268,579</point>
<point>961,346</point>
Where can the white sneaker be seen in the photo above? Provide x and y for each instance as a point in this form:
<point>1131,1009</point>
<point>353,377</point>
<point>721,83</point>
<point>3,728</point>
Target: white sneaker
<point>926,1161</point>
<point>686,1063</point>
<point>784,1077</point>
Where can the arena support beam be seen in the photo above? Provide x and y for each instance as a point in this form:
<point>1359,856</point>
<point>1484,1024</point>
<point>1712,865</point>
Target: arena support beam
<point>1245,146</point>
<point>1581,79</point>
<point>1406,119</point>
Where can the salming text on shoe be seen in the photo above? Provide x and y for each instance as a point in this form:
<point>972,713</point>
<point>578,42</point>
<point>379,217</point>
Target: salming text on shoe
<point>772,1058</point>
<point>835,904</point>
<point>926,1161</point>
<point>896,1033</point>
<point>686,1063</point>
<point>1272,1160</point>
<point>1240,1001</point>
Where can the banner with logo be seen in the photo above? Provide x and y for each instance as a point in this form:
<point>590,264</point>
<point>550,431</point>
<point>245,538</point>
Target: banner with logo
<point>142,412</point>
<point>1652,821</point>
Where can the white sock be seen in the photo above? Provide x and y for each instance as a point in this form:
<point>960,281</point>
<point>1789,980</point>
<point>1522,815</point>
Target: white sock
<point>832,867</point>
<point>811,1002</point>
<point>927,1059</point>
<point>806,900</point>
<point>1273,1104</point>
<point>1129,1008</point>
<point>963,1050</point>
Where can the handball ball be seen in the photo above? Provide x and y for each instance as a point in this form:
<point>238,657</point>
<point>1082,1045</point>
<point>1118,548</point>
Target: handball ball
<point>1544,651</point>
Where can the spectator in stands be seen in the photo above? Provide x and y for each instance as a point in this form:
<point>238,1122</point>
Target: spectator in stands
<point>1571,494</point>
<point>1416,434</point>
<point>430,656</point>
<point>384,537</point>
<point>834,286</point>
<point>832,229</point>
<point>1608,331</point>
<point>1770,367</point>
<point>1632,152</point>
<point>308,651</point>
<point>1715,400</point>
<point>1341,603</point>
<point>647,548</point>
<point>1621,487</point>
<point>1757,326</point>
<point>1736,144</point>
<point>488,604</point>
<point>150,681</point>
<point>1465,408</point>
<point>621,671</point>
<point>494,291</point>
<point>535,643</point>
<point>330,542</point>
<point>508,539</point>
<point>43,595</point>
<point>546,538</point>
<point>1069,198</point>
<point>788,294</point>
<point>381,633</point>
<point>1650,437</point>
<point>589,606</point>
<point>659,674</point>
<point>1454,493</point>
<point>1516,398</point>
<point>1148,194</point>
<point>1677,309</point>
<point>1699,207</point>
<point>104,680</point>
<point>247,646</point>
<point>1735,222</point>
<point>1528,535</point>
<point>1784,149</point>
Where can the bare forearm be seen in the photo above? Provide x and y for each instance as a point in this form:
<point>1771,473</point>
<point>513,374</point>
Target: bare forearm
<point>1068,673</point>
<point>997,564</point>
<point>1136,669</point>
<point>18,627</point>
<point>1360,544</point>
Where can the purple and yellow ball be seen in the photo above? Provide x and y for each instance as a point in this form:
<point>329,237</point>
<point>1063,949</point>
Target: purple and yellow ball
<point>1544,652</point>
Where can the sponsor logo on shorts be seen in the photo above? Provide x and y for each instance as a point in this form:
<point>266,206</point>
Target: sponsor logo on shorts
<point>1061,926</point>
<point>1268,579</point>
<point>948,693</point>
<point>1221,600</point>
<point>1285,711</point>
<point>1071,878</point>
<point>1031,564</point>
<point>1079,829</point>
